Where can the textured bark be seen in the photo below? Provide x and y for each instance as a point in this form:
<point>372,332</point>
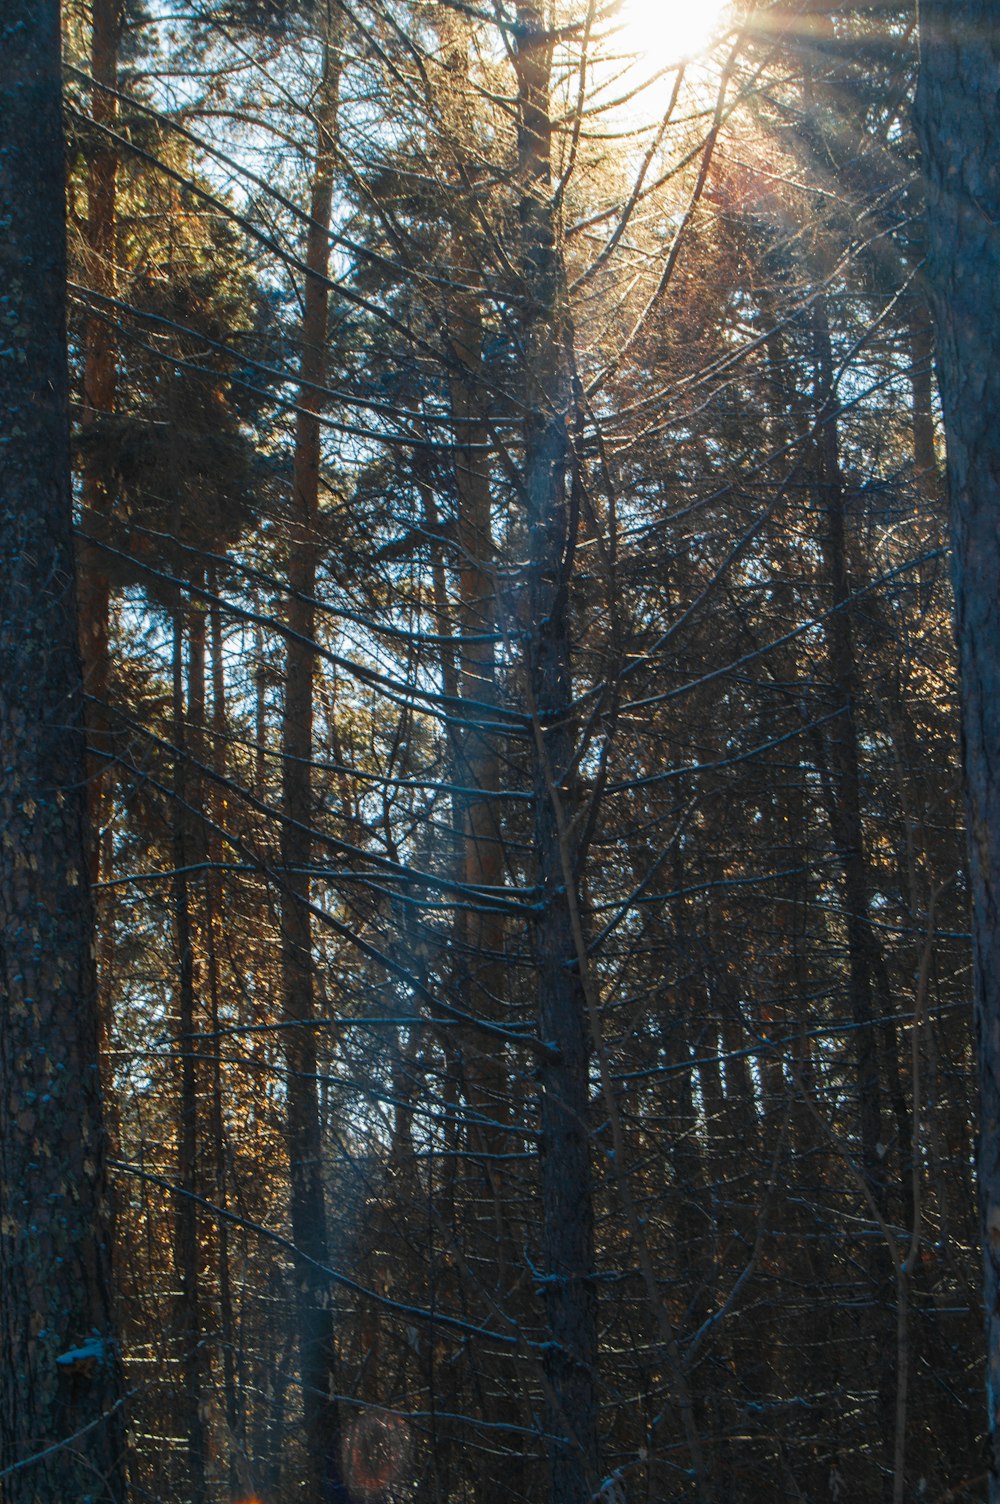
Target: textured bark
<point>304,1136</point>
<point>958,122</point>
<point>58,1371</point>
<point>100,381</point>
<point>570,1356</point>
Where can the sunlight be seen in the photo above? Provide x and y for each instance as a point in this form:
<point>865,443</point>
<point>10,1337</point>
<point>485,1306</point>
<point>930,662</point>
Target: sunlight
<point>663,32</point>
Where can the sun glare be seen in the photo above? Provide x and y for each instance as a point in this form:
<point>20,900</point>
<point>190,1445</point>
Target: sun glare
<point>663,32</point>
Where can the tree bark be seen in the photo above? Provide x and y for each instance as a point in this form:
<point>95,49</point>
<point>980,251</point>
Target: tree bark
<point>187,1260</point>
<point>959,130</point>
<point>842,777</point>
<point>844,781</point>
<point>304,1135</point>
<point>214,948</point>
<point>569,1293</point>
<point>478,757</point>
<point>58,1368</point>
<point>100,382</point>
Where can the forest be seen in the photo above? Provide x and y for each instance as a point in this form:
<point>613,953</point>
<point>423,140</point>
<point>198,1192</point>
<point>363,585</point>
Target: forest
<point>499,751</point>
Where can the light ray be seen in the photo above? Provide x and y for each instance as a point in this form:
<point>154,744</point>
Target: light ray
<point>662,32</point>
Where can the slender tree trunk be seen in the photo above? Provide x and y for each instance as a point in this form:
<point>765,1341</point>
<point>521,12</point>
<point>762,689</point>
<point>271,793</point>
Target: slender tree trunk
<point>844,801</point>
<point>308,1208</point>
<point>480,968</point>
<point>58,1368</point>
<point>870,992</point>
<point>260,715</point>
<point>100,380</point>
<point>959,130</point>
<point>929,480</point>
<point>922,396</point>
<point>186,1256</point>
<point>570,1360</point>
<point>213,948</point>
<point>479,762</point>
<point>690,1150</point>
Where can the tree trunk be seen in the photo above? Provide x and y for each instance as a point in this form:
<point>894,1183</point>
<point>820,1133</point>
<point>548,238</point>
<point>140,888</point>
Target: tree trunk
<point>100,379</point>
<point>214,946</point>
<point>304,1135</point>
<point>871,999</point>
<point>844,782</point>
<point>570,1359</point>
<point>186,1252</point>
<point>921,334</point>
<point>57,1355</point>
<point>478,759</point>
<point>959,130</point>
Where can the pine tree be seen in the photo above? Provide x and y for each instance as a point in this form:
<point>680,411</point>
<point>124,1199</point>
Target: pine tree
<point>60,1405</point>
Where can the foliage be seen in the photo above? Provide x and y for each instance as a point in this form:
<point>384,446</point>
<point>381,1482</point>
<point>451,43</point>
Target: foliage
<point>636,417</point>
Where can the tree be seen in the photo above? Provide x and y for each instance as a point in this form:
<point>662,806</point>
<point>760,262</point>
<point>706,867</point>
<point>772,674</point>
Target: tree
<point>555,1058</point>
<point>321,1420</point>
<point>60,1412</point>
<point>959,129</point>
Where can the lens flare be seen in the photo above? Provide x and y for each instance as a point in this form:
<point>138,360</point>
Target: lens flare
<point>664,31</point>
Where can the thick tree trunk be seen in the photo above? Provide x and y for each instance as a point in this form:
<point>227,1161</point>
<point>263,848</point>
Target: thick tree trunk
<point>58,1369</point>
<point>567,1197</point>
<point>308,1207</point>
<point>959,128</point>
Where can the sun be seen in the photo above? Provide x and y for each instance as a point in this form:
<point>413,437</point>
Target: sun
<point>664,32</point>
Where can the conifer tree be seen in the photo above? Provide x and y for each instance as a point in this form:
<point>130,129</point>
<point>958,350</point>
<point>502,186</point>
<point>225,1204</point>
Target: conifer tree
<point>60,1404</point>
